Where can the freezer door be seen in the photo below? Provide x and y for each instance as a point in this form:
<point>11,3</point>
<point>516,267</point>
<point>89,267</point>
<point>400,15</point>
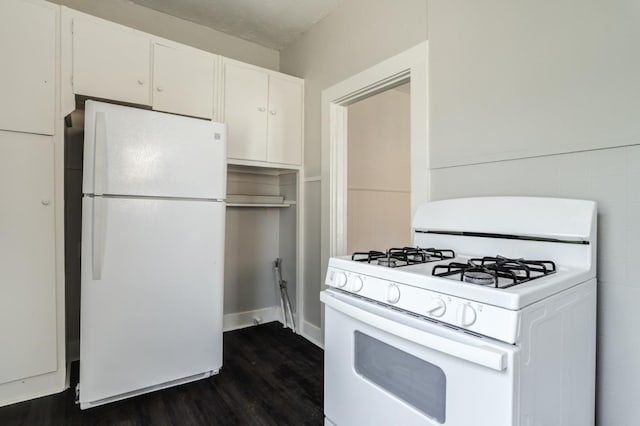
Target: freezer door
<point>130,151</point>
<point>151,300</point>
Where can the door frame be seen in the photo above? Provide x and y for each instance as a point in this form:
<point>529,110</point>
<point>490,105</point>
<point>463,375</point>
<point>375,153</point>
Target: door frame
<point>410,65</point>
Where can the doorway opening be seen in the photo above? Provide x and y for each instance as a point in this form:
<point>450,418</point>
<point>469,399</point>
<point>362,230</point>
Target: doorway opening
<point>378,179</point>
<point>411,67</point>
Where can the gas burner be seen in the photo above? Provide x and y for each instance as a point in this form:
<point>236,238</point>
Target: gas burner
<point>417,258</point>
<point>397,257</point>
<point>479,277</point>
<point>498,271</point>
<point>388,261</point>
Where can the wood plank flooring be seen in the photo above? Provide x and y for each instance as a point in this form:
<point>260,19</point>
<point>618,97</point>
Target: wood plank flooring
<point>270,377</point>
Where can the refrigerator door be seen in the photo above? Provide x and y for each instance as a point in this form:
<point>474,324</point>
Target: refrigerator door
<point>152,293</point>
<point>136,152</point>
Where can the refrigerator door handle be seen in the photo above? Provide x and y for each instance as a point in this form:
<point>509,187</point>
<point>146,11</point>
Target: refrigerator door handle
<point>100,157</point>
<point>98,232</point>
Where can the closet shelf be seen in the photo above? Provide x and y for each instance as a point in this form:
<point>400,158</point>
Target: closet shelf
<point>274,205</point>
<point>242,200</point>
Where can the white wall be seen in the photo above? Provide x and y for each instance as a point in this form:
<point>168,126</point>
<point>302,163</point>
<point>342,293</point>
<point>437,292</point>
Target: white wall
<point>144,19</point>
<point>532,78</point>
<point>378,177</point>
<point>251,246</point>
<point>357,35</point>
<point>597,42</point>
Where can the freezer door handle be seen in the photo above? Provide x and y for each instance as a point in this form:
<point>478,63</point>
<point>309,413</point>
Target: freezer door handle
<point>98,237</point>
<point>99,152</point>
<point>477,354</point>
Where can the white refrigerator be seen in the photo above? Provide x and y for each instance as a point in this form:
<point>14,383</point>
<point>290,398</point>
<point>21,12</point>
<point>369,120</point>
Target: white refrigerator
<point>153,216</point>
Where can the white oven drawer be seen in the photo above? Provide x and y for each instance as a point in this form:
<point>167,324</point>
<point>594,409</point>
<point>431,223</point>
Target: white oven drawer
<point>385,367</point>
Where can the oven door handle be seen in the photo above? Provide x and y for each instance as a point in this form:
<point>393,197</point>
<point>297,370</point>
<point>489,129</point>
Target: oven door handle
<point>482,355</point>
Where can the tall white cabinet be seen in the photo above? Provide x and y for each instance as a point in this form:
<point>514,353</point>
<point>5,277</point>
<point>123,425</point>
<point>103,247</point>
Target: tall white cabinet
<point>32,354</point>
<point>27,257</point>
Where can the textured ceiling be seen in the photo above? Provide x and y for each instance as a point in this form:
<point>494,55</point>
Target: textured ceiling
<point>270,23</point>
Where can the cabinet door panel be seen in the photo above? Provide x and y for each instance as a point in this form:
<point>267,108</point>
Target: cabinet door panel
<point>285,121</point>
<point>27,257</point>
<point>245,111</point>
<point>183,81</point>
<point>111,62</point>
<point>27,74</point>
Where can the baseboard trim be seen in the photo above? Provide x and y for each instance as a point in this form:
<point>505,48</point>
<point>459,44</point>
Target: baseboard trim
<point>312,334</point>
<point>239,320</point>
<point>33,387</point>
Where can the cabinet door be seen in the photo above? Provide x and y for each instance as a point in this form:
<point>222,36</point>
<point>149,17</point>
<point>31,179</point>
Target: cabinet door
<point>27,257</point>
<point>183,81</point>
<point>245,112</point>
<point>111,62</point>
<point>285,121</point>
<point>27,74</point>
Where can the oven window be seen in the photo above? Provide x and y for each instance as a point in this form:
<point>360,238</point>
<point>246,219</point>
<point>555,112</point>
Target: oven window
<point>415,381</point>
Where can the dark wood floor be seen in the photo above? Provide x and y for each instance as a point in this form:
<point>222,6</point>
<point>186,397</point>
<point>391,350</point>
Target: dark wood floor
<point>270,377</point>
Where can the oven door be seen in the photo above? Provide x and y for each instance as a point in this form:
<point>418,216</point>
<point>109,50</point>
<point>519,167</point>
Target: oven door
<point>384,367</point>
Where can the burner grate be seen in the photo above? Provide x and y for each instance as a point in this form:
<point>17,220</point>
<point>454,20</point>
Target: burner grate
<point>396,256</point>
<point>367,256</point>
<point>489,271</point>
<point>413,255</point>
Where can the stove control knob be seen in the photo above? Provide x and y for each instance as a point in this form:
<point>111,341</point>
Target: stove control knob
<point>436,307</point>
<point>393,294</point>
<point>341,280</point>
<point>467,315</point>
<point>357,284</point>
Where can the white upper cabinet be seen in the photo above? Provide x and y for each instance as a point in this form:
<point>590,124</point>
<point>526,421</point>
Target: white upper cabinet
<point>27,73</point>
<point>285,121</point>
<point>111,61</point>
<point>183,80</point>
<point>245,112</point>
<point>263,112</point>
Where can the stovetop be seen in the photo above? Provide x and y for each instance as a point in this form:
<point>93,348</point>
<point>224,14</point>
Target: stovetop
<point>510,283</point>
<point>492,271</point>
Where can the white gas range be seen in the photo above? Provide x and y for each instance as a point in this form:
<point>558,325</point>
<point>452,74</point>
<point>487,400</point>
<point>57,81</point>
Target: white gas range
<point>489,319</point>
